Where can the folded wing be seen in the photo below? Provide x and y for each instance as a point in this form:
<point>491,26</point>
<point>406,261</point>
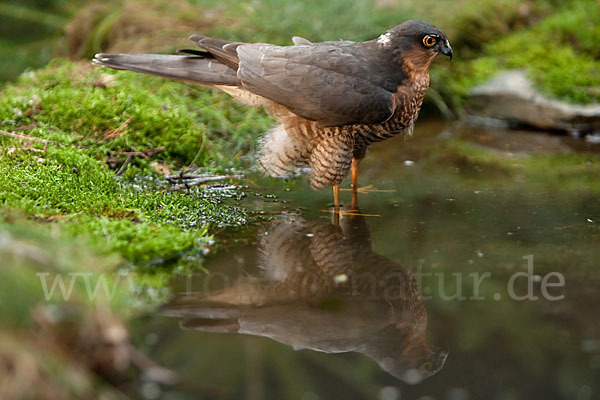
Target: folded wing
<point>331,83</point>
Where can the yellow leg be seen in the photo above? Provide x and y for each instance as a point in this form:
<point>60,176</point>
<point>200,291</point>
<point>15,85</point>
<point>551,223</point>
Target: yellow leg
<point>336,197</point>
<point>355,162</point>
<point>336,204</point>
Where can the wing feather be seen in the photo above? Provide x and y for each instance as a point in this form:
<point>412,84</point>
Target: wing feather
<point>332,83</point>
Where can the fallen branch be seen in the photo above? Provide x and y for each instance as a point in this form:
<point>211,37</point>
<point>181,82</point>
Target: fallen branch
<point>28,138</point>
<point>14,149</point>
<point>185,183</point>
<point>124,165</point>
<point>22,136</point>
<point>115,133</point>
<point>182,176</point>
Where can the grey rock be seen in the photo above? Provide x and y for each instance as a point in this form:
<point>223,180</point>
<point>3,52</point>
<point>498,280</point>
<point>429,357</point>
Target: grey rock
<point>510,97</point>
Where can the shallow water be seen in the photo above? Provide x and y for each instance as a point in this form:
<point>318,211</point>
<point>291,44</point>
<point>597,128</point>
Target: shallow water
<point>447,280</point>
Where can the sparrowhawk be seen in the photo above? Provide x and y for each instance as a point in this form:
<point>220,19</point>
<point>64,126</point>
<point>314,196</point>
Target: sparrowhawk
<point>331,100</point>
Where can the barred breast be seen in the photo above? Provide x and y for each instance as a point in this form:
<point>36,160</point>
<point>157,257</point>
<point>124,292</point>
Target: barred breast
<point>409,99</point>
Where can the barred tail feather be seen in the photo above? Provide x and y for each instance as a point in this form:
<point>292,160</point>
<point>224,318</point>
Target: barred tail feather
<point>206,71</point>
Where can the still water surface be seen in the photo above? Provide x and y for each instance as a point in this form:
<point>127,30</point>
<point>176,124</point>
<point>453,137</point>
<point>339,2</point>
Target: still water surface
<point>450,279</point>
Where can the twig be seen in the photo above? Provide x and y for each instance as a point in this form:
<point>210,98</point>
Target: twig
<point>195,176</point>
<point>13,149</point>
<point>22,137</point>
<point>122,169</point>
<point>131,154</point>
<point>115,133</point>
<point>26,138</point>
<point>186,183</point>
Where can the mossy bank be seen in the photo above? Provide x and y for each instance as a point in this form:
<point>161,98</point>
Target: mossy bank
<point>77,121</point>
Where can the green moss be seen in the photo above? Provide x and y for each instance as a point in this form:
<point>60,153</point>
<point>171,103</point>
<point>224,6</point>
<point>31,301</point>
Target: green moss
<point>557,53</point>
<point>139,224</point>
<point>71,184</point>
<point>72,109</point>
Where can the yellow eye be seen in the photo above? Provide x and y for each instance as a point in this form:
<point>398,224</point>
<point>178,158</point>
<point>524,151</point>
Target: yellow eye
<point>429,41</point>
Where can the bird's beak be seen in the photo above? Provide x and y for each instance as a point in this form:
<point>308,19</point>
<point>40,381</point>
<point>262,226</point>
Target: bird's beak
<point>446,49</point>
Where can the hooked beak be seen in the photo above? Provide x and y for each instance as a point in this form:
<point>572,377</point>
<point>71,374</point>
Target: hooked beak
<point>446,49</point>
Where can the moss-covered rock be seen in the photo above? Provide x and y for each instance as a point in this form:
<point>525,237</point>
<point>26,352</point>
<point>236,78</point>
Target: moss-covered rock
<point>557,52</point>
<point>510,97</point>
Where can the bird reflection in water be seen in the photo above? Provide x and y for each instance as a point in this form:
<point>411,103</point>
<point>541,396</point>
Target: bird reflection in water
<point>322,287</point>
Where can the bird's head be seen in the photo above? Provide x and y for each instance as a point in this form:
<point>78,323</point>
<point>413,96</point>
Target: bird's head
<point>417,42</point>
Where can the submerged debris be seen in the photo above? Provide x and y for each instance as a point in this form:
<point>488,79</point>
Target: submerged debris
<point>186,181</point>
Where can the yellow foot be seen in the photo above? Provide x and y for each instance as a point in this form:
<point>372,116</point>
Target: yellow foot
<point>345,213</point>
<point>369,189</point>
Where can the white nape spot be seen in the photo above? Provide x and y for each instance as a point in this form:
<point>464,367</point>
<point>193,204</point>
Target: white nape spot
<point>300,41</point>
<point>385,39</point>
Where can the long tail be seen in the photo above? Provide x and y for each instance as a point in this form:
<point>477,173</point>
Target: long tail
<point>203,70</point>
<point>217,65</point>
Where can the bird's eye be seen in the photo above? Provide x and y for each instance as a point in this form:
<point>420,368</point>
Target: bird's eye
<point>429,41</point>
